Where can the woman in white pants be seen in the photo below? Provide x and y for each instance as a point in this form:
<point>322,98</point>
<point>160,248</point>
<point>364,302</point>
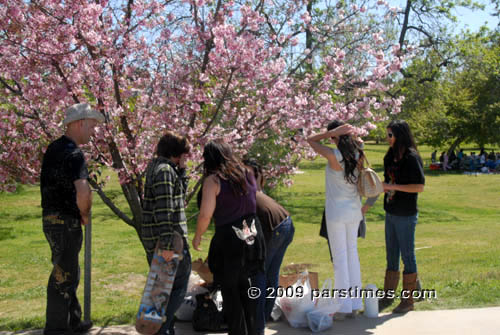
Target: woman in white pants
<point>343,211</point>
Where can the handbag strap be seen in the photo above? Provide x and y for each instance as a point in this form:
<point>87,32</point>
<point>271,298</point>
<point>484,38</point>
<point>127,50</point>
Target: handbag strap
<point>361,165</point>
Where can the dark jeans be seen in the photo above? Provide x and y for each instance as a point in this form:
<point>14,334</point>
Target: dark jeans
<point>179,290</point>
<point>400,239</point>
<point>239,309</point>
<point>281,237</point>
<point>65,239</point>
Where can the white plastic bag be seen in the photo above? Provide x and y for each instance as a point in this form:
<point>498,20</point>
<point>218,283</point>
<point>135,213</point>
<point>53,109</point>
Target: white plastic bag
<point>296,307</point>
<point>194,281</point>
<point>319,320</point>
<point>321,317</point>
<point>186,309</point>
<point>276,313</point>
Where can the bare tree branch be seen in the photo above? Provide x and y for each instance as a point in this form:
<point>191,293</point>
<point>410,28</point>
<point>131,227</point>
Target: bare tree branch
<point>110,203</point>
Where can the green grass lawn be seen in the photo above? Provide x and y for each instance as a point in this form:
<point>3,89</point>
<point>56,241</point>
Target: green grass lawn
<point>458,252</point>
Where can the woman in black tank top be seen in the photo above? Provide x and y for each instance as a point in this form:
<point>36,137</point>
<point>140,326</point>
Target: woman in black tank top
<point>237,250</point>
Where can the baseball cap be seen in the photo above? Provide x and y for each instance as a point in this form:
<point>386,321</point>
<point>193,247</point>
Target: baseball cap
<point>81,111</point>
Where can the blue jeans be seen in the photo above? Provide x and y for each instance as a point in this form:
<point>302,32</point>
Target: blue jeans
<point>400,239</point>
<point>178,291</point>
<point>281,237</point>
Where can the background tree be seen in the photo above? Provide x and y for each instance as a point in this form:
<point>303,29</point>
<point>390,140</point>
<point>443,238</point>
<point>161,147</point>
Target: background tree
<point>461,103</point>
<point>473,99</point>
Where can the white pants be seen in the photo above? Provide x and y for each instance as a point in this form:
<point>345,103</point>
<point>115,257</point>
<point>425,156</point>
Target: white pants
<point>343,237</point>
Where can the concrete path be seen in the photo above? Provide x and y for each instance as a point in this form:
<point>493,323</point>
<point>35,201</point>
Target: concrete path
<point>483,321</point>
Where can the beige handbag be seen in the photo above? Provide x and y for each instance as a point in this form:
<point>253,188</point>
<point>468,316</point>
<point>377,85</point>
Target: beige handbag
<point>369,183</point>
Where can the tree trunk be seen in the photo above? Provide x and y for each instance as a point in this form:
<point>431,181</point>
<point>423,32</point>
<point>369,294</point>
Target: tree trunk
<point>454,145</point>
<point>309,37</point>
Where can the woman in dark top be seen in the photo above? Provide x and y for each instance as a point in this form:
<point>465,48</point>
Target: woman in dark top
<point>237,250</point>
<point>404,179</point>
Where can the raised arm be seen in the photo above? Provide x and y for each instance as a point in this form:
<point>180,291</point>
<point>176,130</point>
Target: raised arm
<point>323,150</point>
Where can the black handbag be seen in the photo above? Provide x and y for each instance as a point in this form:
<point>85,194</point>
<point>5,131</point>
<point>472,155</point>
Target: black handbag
<point>206,315</point>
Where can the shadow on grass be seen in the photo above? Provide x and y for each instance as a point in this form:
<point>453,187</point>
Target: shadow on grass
<point>34,326</point>
<point>6,234</point>
<point>123,319</point>
<point>24,324</point>
<point>26,216</point>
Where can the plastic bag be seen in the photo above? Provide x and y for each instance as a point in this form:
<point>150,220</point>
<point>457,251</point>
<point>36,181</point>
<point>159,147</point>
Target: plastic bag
<point>319,320</point>
<point>297,306</point>
<point>186,309</point>
<point>276,313</point>
<point>321,317</point>
<point>194,281</point>
<point>201,267</point>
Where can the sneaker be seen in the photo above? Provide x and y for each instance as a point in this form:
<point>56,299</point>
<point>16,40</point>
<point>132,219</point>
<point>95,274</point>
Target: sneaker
<point>83,327</point>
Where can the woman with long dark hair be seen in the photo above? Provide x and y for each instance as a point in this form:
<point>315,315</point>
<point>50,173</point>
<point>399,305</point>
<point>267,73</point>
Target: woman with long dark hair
<point>342,210</point>
<point>237,250</point>
<point>404,179</point>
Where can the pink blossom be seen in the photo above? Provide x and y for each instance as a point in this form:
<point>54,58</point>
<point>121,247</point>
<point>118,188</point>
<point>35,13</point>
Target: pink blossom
<point>150,75</point>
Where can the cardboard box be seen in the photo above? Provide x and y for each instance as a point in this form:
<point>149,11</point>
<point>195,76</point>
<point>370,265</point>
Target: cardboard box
<point>290,279</point>
<point>201,267</point>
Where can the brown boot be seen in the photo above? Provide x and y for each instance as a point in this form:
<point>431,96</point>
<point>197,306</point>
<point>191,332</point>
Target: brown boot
<point>391,282</point>
<point>409,285</point>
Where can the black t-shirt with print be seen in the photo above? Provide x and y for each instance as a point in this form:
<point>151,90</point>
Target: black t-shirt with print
<point>63,163</point>
<point>408,170</point>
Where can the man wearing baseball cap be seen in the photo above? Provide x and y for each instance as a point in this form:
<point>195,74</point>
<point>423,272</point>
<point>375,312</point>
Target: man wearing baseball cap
<point>66,203</point>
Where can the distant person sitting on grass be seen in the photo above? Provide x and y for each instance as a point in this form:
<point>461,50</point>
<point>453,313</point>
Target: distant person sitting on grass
<point>460,156</point>
<point>66,203</point>
<point>492,155</point>
<point>482,159</point>
<point>445,161</point>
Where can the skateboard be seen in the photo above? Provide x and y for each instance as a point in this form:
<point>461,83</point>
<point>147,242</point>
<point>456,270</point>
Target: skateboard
<point>159,284</point>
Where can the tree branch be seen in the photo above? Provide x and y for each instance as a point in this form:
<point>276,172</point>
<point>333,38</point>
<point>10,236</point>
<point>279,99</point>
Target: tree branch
<point>61,74</point>
<point>221,101</point>
<point>110,203</point>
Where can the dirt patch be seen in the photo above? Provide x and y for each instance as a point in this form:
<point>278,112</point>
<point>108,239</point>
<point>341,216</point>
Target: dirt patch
<point>130,282</point>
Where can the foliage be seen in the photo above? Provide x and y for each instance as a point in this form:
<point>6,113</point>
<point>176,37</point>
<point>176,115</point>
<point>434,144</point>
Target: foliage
<point>462,104</point>
<point>237,70</point>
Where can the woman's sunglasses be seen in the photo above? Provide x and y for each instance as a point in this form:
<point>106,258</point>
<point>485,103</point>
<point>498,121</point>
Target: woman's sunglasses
<point>390,135</point>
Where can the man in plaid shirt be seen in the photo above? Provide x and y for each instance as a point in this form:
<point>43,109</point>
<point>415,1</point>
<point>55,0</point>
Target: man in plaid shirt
<point>163,213</point>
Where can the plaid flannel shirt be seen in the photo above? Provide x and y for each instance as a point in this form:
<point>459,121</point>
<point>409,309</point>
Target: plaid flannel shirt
<point>163,205</point>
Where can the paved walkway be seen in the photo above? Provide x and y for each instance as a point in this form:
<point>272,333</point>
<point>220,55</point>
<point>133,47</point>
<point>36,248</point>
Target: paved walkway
<point>483,321</point>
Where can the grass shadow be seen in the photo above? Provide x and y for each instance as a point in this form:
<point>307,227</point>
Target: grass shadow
<point>35,324</point>
<point>6,234</point>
